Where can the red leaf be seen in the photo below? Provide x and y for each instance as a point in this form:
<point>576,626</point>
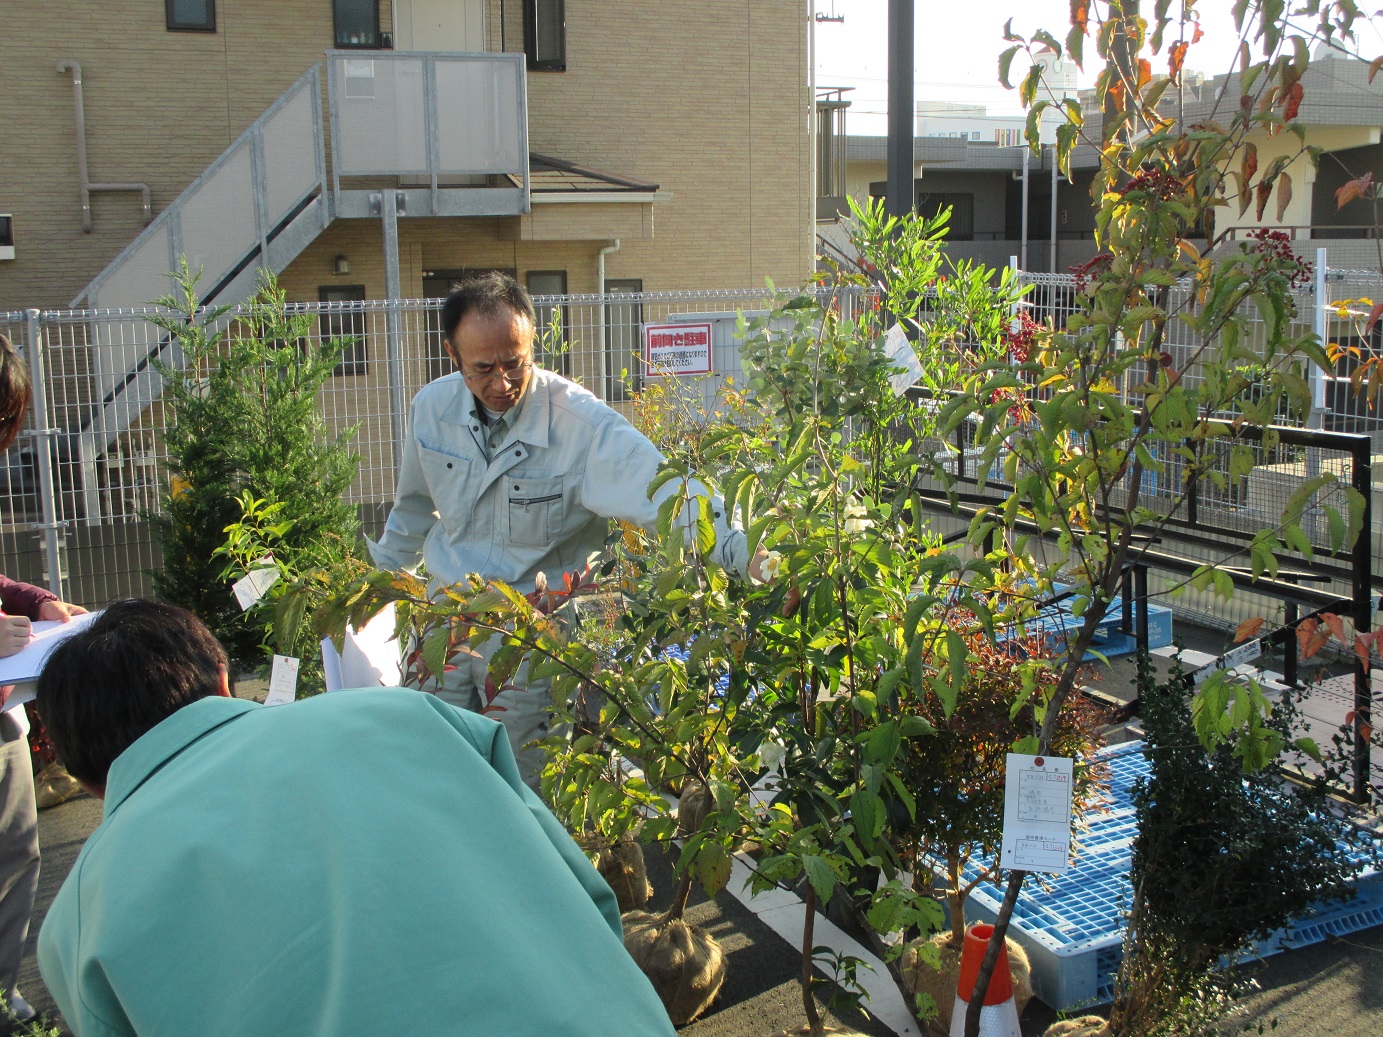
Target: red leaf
<point>1144,72</point>
<point>1356,188</point>
<point>1317,642</point>
<point>1374,314</point>
<point>1374,66</point>
<point>1335,624</point>
<point>1263,191</point>
<point>1250,163</point>
<point>1365,731</point>
<point>1176,57</point>
<point>1361,648</point>
<point>1293,102</point>
<point>1247,629</point>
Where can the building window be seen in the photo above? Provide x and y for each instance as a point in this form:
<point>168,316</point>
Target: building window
<point>623,340</point>
<point>357,23</point>
<point>962,206</point>
<point>344,322</point>
<point>190,15</point>
<point>553,350</point>
<point>545,34</point>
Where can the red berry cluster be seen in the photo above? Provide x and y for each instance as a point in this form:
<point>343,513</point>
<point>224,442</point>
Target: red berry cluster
<point>1019,337</point>
<point>1156,182</point>
<point>1276,247</point>
<point>1083,272</point>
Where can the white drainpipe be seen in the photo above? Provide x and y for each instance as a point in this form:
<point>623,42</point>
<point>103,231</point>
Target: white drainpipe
<point>600,314</point>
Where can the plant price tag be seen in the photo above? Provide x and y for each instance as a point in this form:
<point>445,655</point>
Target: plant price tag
<point>1037,814</point>
<point>283,681</point>
<point>901,352</point>
<point>253,586</point>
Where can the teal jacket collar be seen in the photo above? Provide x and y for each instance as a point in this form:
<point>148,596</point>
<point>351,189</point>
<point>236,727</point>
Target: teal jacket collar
<point>157,746</point>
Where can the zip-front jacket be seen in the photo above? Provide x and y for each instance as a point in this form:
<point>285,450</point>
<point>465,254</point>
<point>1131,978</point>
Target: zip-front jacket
<point>542,504</point>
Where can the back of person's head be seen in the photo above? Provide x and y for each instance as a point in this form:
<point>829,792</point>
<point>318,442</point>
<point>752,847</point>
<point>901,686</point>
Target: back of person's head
<point>135,665</point>
<point>14,393</point>
<point>487,295</point>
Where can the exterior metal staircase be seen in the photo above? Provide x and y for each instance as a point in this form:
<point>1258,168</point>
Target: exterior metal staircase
<point>449,131</point>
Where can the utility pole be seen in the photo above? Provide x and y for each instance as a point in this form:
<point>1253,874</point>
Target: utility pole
<point>900,106</point>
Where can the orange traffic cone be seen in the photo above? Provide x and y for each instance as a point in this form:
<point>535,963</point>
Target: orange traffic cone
<point>999,1017</point>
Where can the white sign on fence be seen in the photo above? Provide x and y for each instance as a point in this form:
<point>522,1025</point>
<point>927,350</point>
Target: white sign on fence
<point>677,349</point>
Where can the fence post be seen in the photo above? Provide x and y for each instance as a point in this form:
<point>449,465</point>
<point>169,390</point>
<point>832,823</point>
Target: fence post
<point>1319,325</point>
<point>44,435</point>
<point>393,319</point>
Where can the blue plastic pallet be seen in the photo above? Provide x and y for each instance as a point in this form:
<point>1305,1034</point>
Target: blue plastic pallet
<point>1072,925</point>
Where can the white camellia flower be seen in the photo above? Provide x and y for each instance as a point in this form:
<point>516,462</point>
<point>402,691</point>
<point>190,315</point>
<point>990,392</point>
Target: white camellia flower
<point>856,518</point>
<point>771,566</point>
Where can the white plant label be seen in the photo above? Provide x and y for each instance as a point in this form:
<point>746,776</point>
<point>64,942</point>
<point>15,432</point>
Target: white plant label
<point>1037,814</point>
<point>283,681</point>
<point>901,352</point>
<point>253,586</point>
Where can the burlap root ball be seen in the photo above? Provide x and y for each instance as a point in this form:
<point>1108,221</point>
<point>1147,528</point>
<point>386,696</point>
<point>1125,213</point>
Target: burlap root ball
<point>622,866</point>
<point>1084,1026</point>
<point>692,806</point>
<point>684,962</point>
<point>941,983</point>
<point>807,1031</point>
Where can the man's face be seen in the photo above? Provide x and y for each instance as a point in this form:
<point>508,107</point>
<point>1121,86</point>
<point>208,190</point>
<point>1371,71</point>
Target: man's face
<point>494,352</point>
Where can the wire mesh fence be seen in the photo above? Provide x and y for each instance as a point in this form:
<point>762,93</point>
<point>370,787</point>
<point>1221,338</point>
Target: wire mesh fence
<point>83,480</point>
<point>99,424</point>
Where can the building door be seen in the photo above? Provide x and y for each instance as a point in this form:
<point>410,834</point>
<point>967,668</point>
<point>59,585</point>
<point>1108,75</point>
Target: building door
<point>446,25</point>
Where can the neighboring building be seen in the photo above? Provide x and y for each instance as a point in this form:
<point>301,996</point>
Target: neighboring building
<point>967,122</point>
<point>680,132</point>
<point>983,182</point>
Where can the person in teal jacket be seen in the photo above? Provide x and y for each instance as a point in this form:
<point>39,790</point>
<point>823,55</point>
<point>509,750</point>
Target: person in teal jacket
<point>359,863</point>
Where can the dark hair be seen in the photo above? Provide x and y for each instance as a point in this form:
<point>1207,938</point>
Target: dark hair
<point>488,294</point>
<point>138,663</point>
<point>14,393</point>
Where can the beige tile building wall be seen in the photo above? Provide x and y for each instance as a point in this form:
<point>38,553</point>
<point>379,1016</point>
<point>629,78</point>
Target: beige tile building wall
<point>709,101</point>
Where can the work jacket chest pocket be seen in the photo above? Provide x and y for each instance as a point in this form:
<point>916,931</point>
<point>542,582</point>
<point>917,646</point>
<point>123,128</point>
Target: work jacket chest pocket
<point>450,481</point>
<point>535,511</point>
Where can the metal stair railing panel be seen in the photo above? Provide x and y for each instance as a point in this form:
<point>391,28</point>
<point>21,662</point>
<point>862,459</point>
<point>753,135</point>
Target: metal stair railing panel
<point>432,117</point>
<point>228,223</point>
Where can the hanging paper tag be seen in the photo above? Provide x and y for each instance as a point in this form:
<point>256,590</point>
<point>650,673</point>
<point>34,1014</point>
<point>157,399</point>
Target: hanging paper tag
<point>1037,814</point>
<point>283,681</point>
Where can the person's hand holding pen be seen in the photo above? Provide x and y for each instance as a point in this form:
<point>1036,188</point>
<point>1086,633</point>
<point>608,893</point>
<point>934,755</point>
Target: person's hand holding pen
<point>16,631</point>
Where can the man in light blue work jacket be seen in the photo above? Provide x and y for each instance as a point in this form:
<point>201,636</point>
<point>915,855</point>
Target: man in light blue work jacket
<point>509,471</point>
<point>351,865</point>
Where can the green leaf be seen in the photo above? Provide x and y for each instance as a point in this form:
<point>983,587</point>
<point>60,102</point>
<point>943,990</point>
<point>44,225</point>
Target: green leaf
<point>713,865</point>
<point>820,875</point>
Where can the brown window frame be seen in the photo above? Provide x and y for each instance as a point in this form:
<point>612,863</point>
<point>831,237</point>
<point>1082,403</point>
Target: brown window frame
<point>171,23</point>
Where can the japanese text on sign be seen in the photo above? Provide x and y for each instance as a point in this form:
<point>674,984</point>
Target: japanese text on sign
<point>673,349</point>
<point>1037,813</point>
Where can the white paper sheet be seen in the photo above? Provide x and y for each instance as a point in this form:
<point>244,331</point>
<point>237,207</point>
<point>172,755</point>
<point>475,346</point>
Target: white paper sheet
<point>253,585</point>
<point>283,681</point>
<point>1037,814</point>
<point>371,657</point>
<point>902,353</point>
<point>25,666</point>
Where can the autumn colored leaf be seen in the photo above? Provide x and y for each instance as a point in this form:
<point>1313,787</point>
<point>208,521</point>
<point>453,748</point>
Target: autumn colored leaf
<point>1292,102</point>
<point>1356,188</point>
<point>1175,58</point>
<point>1263,191</point>
<point>1284,195</point>
<point>791,600</point>
<point>1363,648</point>
<point>1247,629</point>
<point>1080,14</point>
<point>1144,72</point>
<point>1335,624</point>
<point>1318,641</point>
<point>1249,165</point>
<point>1374,314</point>
<point>1306,631</point>
<point>1374,66</point>
<point>1197,33</point>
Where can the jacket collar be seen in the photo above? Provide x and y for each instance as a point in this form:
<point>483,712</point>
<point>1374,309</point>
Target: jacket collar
<point>157,746</point>
<point>534,422</point>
